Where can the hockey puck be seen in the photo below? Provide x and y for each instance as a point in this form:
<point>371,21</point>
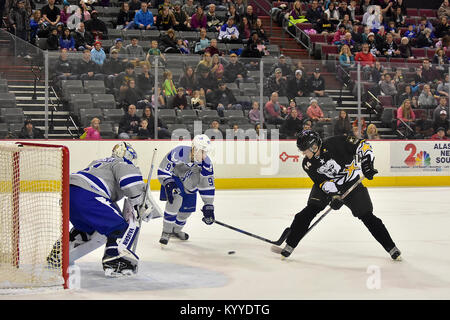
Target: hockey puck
<point>231,252</point>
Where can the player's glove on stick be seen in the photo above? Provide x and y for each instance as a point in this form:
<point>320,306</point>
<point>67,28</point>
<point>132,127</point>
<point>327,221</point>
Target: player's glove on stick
<point>336,203</point>
<point>208,214</point>
<point>171,188</point>
<point>367,167</point>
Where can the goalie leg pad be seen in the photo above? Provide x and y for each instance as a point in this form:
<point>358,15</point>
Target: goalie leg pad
<point>79,249</point>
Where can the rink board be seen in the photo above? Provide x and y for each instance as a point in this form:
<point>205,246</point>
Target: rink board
<point>277,164</point>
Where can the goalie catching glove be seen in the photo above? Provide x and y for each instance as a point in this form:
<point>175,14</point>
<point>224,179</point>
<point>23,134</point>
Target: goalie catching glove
<point>208,214</point>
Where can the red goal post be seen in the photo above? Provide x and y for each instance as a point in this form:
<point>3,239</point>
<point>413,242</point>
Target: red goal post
<point>34,216</point>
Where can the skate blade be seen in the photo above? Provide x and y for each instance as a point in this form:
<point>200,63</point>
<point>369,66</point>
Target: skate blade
<point>110,273</point>
<point>399,258</point>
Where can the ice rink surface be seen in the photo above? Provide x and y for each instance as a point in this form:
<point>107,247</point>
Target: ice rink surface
<point>339,259</point>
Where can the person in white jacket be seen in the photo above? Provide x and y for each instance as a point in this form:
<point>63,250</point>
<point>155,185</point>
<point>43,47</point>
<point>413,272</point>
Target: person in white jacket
<point>229,32</point>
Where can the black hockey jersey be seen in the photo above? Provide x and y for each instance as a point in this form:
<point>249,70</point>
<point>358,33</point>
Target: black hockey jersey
<point>336,168</point>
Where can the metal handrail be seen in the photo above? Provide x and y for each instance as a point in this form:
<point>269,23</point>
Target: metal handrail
<point>297,30</point>
<point>69,119</point>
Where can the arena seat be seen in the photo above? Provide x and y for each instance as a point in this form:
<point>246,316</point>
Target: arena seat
<point>7,100</point>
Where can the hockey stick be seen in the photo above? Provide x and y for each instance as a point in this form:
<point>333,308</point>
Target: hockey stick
<point>147,189</point>
<point>346,193</point>
<point>283,237</point>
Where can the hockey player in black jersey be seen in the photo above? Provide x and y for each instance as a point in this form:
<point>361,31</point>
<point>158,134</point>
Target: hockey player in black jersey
<point>332,166</point>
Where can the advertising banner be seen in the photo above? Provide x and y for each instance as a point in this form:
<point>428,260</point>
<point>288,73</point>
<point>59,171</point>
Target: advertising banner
<point>420,156</point>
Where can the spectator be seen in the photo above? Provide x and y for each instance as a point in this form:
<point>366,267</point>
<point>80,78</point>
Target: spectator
<point>51,13</point>
<point>112,67</point>
<point>372,132</point>
<point>291,125</point>
<point>442,106</point>
<point>83,39</point>
<point>212,49</point>
<point>442,28</point>
<point>180,101</point>
<point>134,51</point>
<point>96,26</point>
<point>143,19</point>
<point>168,87</point>
<point>66,41</point>
<point>407,94</point>
<point>202,43</point>
<point>442,121</point>
<point>444,86</point>
<point>93,132</point>
<point>389,48</point>
<point>277,83</point>
<point>166,20</point>
<point>297,86</point>
<point>426,98</point>
<point>378,72</point>
<point>258,27</point>
<point>168,42</point>
<point>217,68</point>
<point>205,80</point>
<point>316,84</point>
<point>245,30</point>
<point>405,114</point>
<point>125,76</point>
<point>346,59</point>
<point>229,33</point>
<point>424,39</point>
<point>398,17</point>
<point>254,114</point>
<point>52,40</point>
<point>275,113</point>
<point>339,35</point>
<point>162,131</point>
<point>36,26</point>
<point>357,36</point>
<point>424,127</point>
<point>155,52</point>
<point>428,72</point>
<point>444,9</point>
<point>346,22</point>
<point>342,125</point>
<point>181,18</point>
<point>158,99</point>
<point>293,105</point>
<point>121,51</point>
<point>366,59</point>
<point>145,81</point>
<point>132,94</point>
<point>213,21</point>
<point>314,13</point>
<point>439,135</point>
<point>325,26</point>
<point>143,131</point>
<point>333,14</point>
<point>343,9</point>
<point>283,65</point>
<point>19,22</point>
<point>125,18</point>
<point>307,125</point>
<point>214,131</point>
<point>64,68</point>
<point>234,71</point>
<point>410,33</point>
<point>355,132</point>
<point>65,13</point>
<point>315,113</point>
<point>386,6</point>
<point>392,29</point>
<point>29,131</point>
<point>440,60</point>
<point>198,100</point>
<point>405,48</point>
<point>387,86</point>
<point>224,99</point>
<point>129,124</point>
<point>189,8</point>
<point>198,19</point>
<point>205,62</point>
<point>84,11</point>
<point>98,54</point>
<point>187,80</point>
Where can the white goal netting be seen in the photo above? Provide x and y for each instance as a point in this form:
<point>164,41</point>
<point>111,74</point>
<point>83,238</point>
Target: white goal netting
<point>31,217</point>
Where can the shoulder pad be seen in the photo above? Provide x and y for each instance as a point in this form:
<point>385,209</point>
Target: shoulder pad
<point>352,140</point>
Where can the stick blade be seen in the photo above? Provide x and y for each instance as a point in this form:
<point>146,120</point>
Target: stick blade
<point>276,249</point>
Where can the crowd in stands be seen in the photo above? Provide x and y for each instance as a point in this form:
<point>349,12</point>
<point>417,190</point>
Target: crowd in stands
<point>364,32</point>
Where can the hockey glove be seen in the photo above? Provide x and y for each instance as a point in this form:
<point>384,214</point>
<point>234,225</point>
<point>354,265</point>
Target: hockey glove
<point>367,167</point>
<point>208,214</point>
<point>336,203</point>
<point>171,188</point>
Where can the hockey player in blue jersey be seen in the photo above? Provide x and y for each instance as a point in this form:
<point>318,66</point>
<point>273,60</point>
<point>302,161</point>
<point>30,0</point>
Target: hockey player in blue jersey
<point>95,216</point>
<point>182,172</point>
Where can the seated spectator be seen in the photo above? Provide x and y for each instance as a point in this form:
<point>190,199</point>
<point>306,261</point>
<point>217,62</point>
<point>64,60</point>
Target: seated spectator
<point>143,131</point>
<point>135,53</point>
<point>333,14</point>
<point>96,26</point>
<point>166,19</point>
<point>217,67</point>
<point>143,19</point>
<point>53,40</point>
<point>83,38</point>
<point>440,134</point>
<point>373,45</point>
<point>342,125</point>
<point>283,65</point>
<point>316,84</point>
<point>88,69</point>
<point>444,9</point>
<point>426,98</point>
<point>224,99</point>
<point>29,131</point>
<point>245,30</point>
<point>84,10</point>
<point>406,94</point>
<point>346,59</point>
<point>129,124</point>
<point>181,18</point>
<point>51,13</point>
<point>122,52</point>
<point>189,7</point>
<point>36,26</point>
<point>357,36</point>
<point>258,27</point>
<point>187,80</point>
<point>229,33</point>
<point>291,125</point>
<point>125,76</point>
<point>314,13</point>
<point>162,131</point>
<point>276,83</point>
<point>343,9</point>
<point>198,100</point>
<point>66,41</point>
<point>339,35</point>
<point>202,43</point>
<point>378,72</point>
<point>444,86</point>
<point>252,16</point>
<point>180,101</point>
<point>64,68</point>
<point>168,87</point>
<point>442,121</point>
<point>213,21</point>
<point>214,131</point>
<point>158,99</point>
<point>297,86</point>
<point>97,54</point>
<point>405,49</point>
<point>366,59</point>
<point>389,48</point>
<point>145,81</point>
<point>442,106</point>
<point>410,33</point>
<point>155,52</point>
<point>398,17</point>
<point>168,42</point>
<point>405,115</point>
<point>65,13</point>
<point>212,49</point>
<point>440,60</point>
<point>205,80</point>
<point>112,67</point>
<point>429,74</point>
<point>132,94</point>
<point>372,132</point>
<point>125,17</point>
<point>234,71</point>
<point>315,113</point>
<point>424,127</point>
<point>355,131</point>
<point>254,113</point>
<point>424,39</point>
<point>93,132</point>
<point>392,29</point>
<point>206,62</point>
<point>325,26</point>
<point>346,22</point>
<point>198,19</point>
<point>387,86</point>
<point>293,105</point>
<point>275,113</point>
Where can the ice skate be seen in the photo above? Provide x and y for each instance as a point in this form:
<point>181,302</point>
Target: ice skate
<point>181,235</point>
<point>165,236</point>
<point>118,267</point>
<point>395,254</point>
<point>286,252</point>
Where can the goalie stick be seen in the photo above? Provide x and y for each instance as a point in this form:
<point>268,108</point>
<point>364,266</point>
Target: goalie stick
<point>278,250</point>
<point>283,237</point>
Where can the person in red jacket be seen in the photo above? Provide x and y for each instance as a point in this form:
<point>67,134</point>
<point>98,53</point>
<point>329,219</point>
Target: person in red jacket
<point>366,59</point>
<point>439,135</point>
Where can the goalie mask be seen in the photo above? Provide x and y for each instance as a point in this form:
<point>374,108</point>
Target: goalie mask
<point>125,151</point>
<point>201,147</point>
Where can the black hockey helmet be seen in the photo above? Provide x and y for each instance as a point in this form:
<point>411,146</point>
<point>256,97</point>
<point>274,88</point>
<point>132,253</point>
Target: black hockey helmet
<point>307,139</point>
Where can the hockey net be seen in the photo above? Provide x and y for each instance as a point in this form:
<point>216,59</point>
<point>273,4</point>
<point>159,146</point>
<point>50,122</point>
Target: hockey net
<point>34,216</point>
